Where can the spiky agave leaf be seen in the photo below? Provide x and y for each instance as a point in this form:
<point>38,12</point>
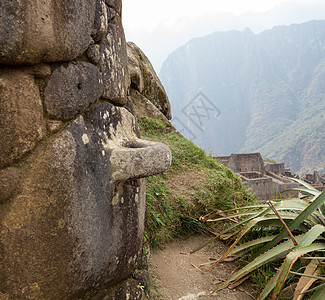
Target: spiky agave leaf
<point>312,192</point>
<point>289,261</point>
<point>305,184</point>
<point>297,204</point>
<point>304,246</point>
<point>250,222</point>
<point>305,214</point>
<point>273,254</point>
<point>277,252</point>
<point>246,246</point>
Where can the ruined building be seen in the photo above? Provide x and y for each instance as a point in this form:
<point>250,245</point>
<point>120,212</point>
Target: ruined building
<point>266,180</point>
<point>316,180</point>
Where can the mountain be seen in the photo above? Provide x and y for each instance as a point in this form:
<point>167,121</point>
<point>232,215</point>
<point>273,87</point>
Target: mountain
<point>242,92</point>
<point>161,37</point>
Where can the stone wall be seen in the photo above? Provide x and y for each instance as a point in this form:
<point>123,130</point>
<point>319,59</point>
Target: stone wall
<point>261,187</point>
<point>245,162</point>
<point>266,181</point>
<point>277,168</point>
<point>72,193</point>
<point>146,91</point>
<point>317,180</point>
<point>265,188</point>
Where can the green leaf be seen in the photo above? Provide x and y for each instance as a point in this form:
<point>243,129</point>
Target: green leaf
<point>269,287</point>
<point>295,223</point>
<point>312,192</point>
<point>246,228</point>
<point>292,204</point>
<point>290,260</point>
<point>312,234</point>
<point>319,294</point>
<point>247,207</point>
<point>305,240</point>
<point>249,219</point>
<point>275,253</point>
<point>282,205</point>
<point>253,243</point>
<point>309,276</point>
<point>305,184</point>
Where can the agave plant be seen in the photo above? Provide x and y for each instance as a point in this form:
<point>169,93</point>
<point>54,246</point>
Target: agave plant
<point>301,227</point>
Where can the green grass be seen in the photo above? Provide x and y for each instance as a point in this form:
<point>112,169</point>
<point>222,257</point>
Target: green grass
<point>170,214</point>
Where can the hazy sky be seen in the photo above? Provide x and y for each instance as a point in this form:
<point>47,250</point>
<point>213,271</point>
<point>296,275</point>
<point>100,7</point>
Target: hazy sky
<point>141,13</point>
<point>160,26</point>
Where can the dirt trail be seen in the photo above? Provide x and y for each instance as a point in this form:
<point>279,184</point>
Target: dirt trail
<point>176,273</point>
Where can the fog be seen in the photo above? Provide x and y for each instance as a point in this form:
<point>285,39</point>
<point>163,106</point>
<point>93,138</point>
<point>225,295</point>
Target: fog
<point>160,27</point>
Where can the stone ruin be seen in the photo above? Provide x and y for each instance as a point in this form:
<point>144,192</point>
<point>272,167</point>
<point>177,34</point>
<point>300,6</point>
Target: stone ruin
<point>316,179</point>
<point>72,162</point>
<point>266,180</point>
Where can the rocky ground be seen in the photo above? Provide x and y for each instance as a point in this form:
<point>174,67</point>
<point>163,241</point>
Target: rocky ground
<point>178,275</point>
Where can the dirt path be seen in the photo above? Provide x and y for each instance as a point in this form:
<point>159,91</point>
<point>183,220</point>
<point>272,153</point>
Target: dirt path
<point>176,273</point>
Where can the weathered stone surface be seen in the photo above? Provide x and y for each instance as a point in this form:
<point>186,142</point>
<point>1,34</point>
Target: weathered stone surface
<point>135,71</point>
<point>143,107</point>
<point>44,30</point>
<point>139,159</point>
<point>142,276</point>
<point>116,4</point>
<point>41,70</point>
<point>131,290</point>
<point>53,126</point>
<point>21,115</point>
<point>74,226</point>
<point>71,89</point>
<point>9,183</point>
<point>130,157</point>
<point>130,107</point>
<point>101,21</point>
<point>152,88</point>
<point>94,54</point>
<point>111,58</point>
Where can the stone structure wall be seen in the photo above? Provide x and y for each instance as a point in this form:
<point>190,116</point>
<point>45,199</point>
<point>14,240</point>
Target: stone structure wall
<point>267,188</point>
<point>316,179</point>
<point>277,168</point>
<point>245,162</point>
<point>266,181</point>
<point>260,186</point>
<point>72,193</point>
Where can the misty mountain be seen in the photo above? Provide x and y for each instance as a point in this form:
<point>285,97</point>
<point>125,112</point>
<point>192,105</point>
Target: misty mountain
<point>241,92</point>
<point>169,34</point>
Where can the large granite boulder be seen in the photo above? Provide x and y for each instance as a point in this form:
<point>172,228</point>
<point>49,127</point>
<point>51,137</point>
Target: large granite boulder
<point>145,108</point>
<point>22,124</point>
<point>111,58</point>
<point>71,89</point>
<point>103,15</point>
<point>9,183</point>
<point>78,221</point>
<point>44,30</point>
<point>116,4</point>
<point>144,79</point>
